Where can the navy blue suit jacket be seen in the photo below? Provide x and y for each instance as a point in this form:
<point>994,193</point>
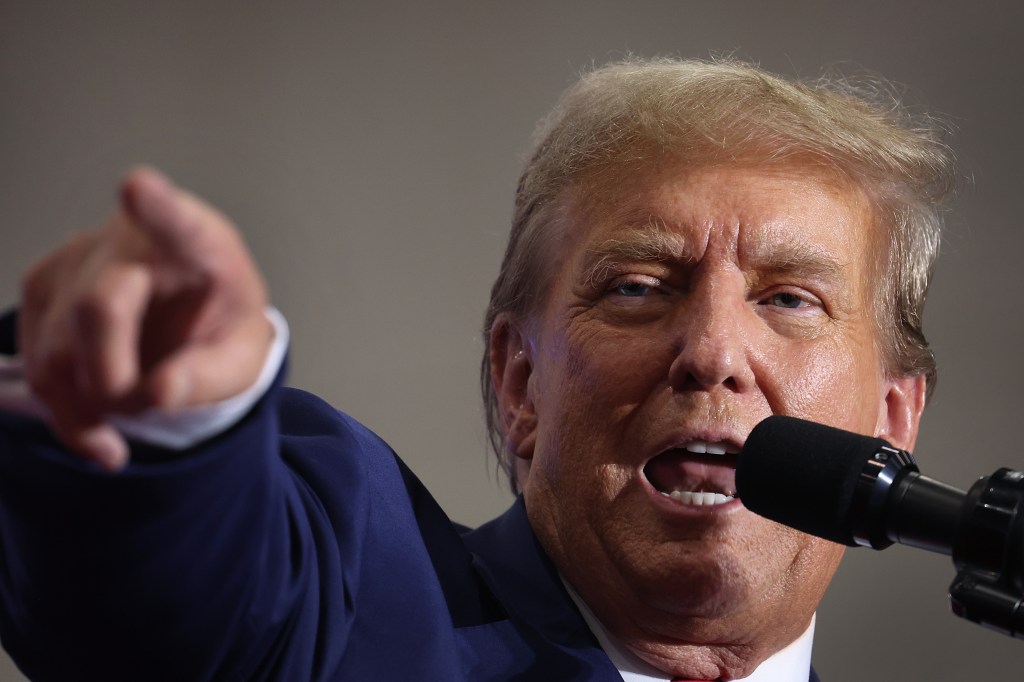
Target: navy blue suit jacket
<point>294,547</point>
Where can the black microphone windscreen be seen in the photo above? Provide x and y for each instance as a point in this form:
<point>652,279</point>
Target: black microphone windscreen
<point>803,474</point>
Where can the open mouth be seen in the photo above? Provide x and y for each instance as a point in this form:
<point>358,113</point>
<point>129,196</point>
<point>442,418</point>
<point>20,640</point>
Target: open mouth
<point>698,473</point>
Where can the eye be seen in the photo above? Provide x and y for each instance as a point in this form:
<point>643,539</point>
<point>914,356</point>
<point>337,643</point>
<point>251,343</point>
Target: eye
<point>795,299</point>
<point>787,299</point>
<point>633,290</point>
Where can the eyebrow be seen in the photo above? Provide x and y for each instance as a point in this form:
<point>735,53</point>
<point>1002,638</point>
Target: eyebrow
<point>802,258</point>
<point>652,242</point>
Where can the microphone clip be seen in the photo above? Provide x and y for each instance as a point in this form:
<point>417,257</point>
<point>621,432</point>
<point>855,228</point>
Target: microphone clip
<point>988,552</point>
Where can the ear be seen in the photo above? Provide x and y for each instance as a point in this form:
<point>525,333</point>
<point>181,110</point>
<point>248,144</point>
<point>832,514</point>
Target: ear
<point>900,413</point>
<point>511,357</point>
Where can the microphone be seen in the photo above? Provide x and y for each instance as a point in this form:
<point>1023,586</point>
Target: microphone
<point>844,487</point>
<point>858,490</point>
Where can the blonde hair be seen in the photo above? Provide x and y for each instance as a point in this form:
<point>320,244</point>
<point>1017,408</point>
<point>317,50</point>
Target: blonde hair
<point>620,117</point>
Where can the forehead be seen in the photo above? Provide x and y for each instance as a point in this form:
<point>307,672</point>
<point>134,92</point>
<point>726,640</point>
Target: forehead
<point>747,213</point>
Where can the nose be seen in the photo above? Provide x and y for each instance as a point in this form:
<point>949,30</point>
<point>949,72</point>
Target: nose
<point>712,345</point>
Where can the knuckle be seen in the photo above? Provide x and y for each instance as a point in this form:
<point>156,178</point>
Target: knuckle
<point>42,377</point>
<point>53,381</point>
<point>39,280</point>
<point>110,300</point>
<point>56,371</point>
<point>94,309</point>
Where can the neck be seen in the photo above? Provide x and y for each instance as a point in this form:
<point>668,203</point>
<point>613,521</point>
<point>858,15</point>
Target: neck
<point>793,661</point>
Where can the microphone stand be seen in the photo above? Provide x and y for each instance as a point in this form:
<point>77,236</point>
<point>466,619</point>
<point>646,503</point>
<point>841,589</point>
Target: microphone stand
<point>988,553</point>
<point>983,530</point>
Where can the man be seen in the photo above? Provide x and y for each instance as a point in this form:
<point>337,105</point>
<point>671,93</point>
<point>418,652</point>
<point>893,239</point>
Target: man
<point>695,247</point>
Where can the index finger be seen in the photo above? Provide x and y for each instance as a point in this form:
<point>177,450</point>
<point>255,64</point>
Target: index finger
<point>177,222</point>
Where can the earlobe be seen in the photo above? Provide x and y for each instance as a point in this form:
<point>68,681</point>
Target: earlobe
<point>900,413</point>
<point>511,369</point>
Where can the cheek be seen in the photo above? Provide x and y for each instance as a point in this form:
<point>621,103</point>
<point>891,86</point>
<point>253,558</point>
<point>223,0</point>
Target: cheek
<point>603,370</point>
<point>831,381</point>
<point>588,386</point>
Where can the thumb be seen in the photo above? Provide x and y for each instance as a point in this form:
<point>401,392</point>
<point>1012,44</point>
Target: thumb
<point>211,372</point>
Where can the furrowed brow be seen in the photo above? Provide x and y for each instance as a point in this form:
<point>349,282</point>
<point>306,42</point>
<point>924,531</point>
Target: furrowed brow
<point>798,259</point>
<point>648,244</point>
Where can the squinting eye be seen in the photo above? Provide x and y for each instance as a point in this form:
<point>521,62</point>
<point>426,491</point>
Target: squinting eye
<point>632,289</point>
<point>786,300</point>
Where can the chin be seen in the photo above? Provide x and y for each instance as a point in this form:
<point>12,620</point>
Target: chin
<point>707,585</point>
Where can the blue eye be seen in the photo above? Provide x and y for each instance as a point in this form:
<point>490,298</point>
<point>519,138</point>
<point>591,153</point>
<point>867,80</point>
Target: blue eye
<point>786,300</point>
<point>632,289</point>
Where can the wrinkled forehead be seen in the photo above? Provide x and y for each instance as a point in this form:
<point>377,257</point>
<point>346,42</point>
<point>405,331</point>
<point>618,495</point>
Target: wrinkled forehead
<point>805,210</point>
<point>778,221</point>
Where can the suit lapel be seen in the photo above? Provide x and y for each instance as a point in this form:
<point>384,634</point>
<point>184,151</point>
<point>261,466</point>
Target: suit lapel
<point>511,561</point>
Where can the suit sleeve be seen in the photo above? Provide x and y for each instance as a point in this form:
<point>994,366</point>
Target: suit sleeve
<point>216,564</point>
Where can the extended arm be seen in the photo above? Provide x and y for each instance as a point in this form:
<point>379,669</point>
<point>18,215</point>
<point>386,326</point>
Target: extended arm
<point>181,565</point>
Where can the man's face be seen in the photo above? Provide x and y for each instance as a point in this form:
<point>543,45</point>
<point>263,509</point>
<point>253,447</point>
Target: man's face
<point>685,308</point>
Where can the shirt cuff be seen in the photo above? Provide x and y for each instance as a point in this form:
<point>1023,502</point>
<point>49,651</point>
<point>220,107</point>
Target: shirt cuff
<point>177,430</point>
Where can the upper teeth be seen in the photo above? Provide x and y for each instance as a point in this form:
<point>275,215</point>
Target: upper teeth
<point>700,447</point>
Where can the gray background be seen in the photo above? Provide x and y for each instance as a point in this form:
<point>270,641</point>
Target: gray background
<point>369,151</point>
